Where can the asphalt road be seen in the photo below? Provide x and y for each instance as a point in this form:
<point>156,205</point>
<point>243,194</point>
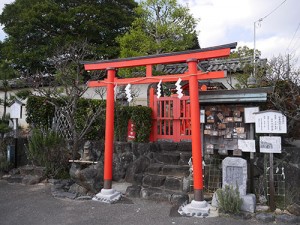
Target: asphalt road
<point>34,205</point>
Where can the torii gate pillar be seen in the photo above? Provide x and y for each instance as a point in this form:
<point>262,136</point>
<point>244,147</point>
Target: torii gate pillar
<point>108,194</point>
<point>196,136</point>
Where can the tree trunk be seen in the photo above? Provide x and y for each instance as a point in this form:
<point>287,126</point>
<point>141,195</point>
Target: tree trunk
<point>4,104</point>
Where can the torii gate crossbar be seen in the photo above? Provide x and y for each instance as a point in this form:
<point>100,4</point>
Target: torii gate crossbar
<point>193,75</point>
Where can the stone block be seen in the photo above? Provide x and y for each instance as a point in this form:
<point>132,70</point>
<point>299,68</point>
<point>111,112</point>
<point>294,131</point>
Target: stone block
<point>31,179</point>
<point>154,180</point>
<point>184,158</point>
<point>167,146</point>
<point>176,170</point>
<point>26,170</point>
<point>265,217</point>
<point>249,203</point>
<point>133,191</point>
<point>154,168</point>
<point>75,188</point>
<point>184,147</point>
<point>179,198</point>
<point>171,158</point>
<point>173,183</point>
<point>287,219</point>
<point>155,194</point>
<point>294,209</point>
<point>40,171</point>
<point>122,147</point>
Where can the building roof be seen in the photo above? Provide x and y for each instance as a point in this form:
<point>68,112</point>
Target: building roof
<point>231,65</point>
<point>249,95</point>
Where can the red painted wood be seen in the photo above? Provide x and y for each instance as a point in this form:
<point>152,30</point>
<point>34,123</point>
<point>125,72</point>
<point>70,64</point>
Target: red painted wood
<point>196,135</point>
<point>156,79</point>
<point>125,63</point>
<point>109,129</point>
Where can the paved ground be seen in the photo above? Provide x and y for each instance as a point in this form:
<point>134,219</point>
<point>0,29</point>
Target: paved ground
<point>34,205</point>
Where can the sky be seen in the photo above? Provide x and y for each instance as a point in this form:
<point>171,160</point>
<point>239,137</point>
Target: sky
<point>226,21</point>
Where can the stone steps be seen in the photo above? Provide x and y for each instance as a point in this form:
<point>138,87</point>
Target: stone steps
<point>167,177</point>
<point>168,173</point>
<point>157,194</point>
<point>173,158</point>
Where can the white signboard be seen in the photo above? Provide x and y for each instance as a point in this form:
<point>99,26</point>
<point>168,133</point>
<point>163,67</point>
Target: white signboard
<point>249,114</point>
<point>202,116</point>
<point>270,144</point>
<point>16,110</point>
<point>270,122</point>
<point>246,145</point>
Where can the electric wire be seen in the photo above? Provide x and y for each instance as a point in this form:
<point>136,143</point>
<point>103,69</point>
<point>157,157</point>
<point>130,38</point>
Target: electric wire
<point>293,38</point>
<point>261,19</point>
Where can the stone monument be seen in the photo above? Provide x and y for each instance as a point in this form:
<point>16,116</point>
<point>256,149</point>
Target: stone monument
<point>235,174</point>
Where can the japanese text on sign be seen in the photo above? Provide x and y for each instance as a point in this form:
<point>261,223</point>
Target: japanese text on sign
<point>270,122</point>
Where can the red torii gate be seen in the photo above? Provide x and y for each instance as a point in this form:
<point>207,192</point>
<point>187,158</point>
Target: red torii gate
<point>193,75</point>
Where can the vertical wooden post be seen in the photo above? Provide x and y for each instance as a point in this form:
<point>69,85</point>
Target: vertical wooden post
<point>109,129</point>
<point>271,185</point>
<point>195,123</point>
<point>151,105</point>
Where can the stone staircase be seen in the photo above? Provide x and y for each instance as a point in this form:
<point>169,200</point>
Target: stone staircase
<point>167,178</point>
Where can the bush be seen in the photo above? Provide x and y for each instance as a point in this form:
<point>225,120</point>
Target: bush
<point>47,149</point>
<point>5,166</point>
<point>229,199</point>
<point>141,118</point>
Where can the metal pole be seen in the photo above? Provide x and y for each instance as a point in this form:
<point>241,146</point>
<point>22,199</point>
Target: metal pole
<point>254,49</point>
<point>196,137</point>
<point>15,121</point>
<point>109,129</point>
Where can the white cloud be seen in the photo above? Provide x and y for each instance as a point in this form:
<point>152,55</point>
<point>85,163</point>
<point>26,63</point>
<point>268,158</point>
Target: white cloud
<point>226,21</point>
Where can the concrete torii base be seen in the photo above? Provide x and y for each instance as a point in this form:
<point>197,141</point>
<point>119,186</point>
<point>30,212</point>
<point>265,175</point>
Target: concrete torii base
<point>195,208</point>
<point>107,196</point>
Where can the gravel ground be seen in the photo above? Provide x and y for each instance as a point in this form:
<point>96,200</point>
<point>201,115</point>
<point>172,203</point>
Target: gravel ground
<point>34,205</point>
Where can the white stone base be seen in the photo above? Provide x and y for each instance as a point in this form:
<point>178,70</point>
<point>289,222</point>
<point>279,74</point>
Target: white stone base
<point>107,196</point>
<point>195,208</point>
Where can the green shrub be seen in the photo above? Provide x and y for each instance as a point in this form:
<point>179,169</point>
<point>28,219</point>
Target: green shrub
<point>5,166</point>
<point>229,199</point>
<point>47,149</point>
<point>141,118</point>
<point>39,112</point>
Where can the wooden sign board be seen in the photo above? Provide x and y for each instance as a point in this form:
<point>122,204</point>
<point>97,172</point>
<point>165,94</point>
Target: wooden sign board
<point>246,145</point>
<point>270,122</point>
<point>270,144</point>
<point>249,114</point>
<point>16,110</point>
<point>202,116</point>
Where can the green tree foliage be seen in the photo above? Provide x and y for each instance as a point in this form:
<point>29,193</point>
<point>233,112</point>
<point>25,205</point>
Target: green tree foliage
<point>161,26</point>
<point>141,117</point>
<point>7,72</point>
<point>36,28</point>
<point>244,55</point>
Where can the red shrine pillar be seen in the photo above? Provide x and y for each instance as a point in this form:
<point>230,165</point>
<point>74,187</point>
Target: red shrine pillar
<point>196,138</point>
<point>109,129</point>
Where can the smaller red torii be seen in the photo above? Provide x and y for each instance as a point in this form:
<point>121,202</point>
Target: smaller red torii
<point>192,75</point>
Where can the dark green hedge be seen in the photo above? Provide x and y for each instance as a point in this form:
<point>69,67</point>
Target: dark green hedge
<point>141,118</point>
<point>40,113</point>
